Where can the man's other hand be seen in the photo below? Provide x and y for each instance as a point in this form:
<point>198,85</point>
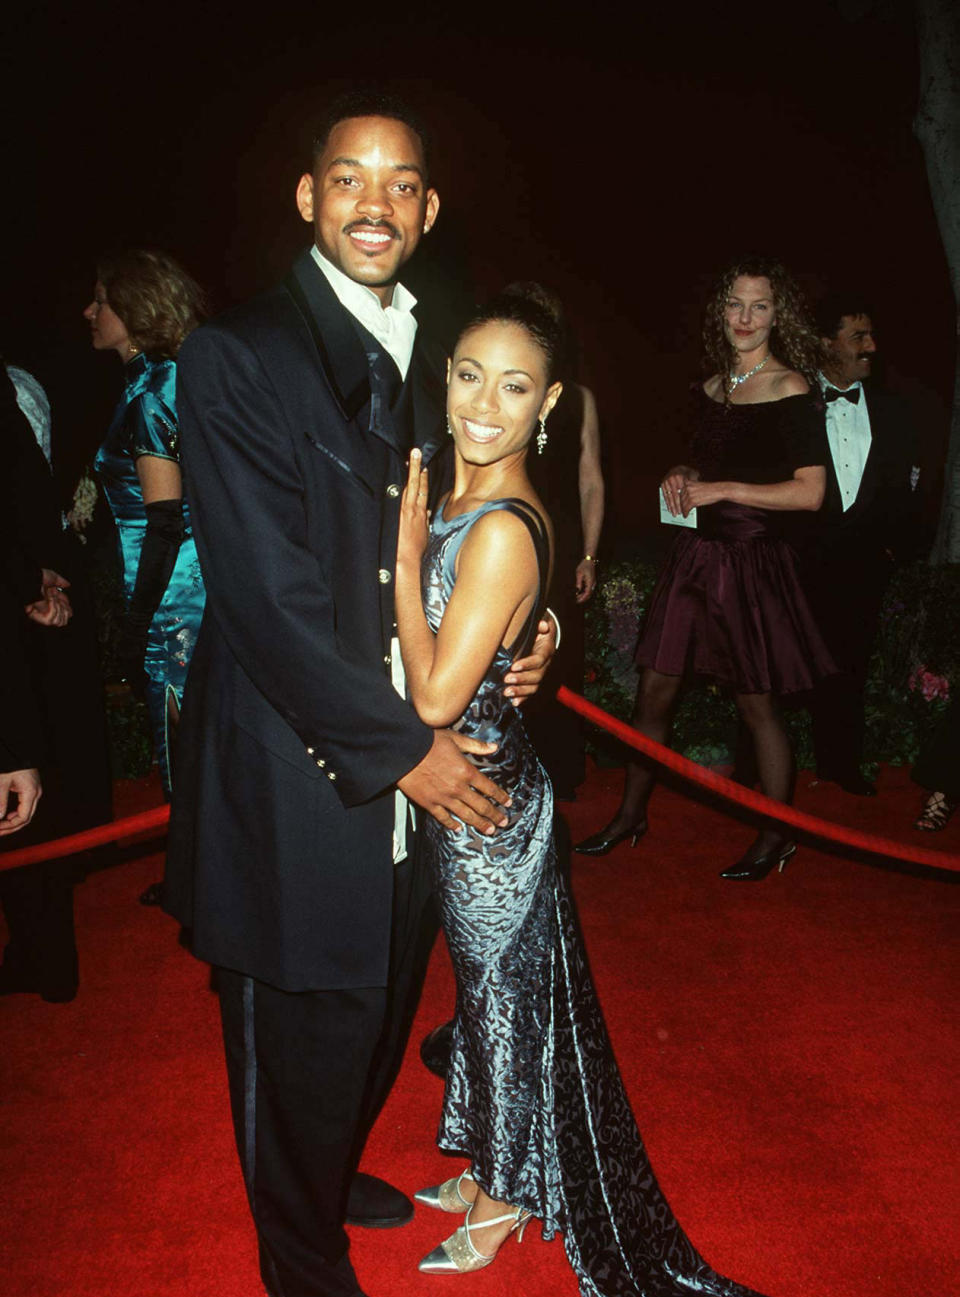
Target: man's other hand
<point>524,677</point>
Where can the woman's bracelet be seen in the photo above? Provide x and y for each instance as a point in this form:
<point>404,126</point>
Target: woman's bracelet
<point>589,558</point>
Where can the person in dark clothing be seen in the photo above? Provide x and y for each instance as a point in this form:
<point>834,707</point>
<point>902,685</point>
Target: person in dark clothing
<point>938,768</point>
<point>49,657</point>
<point>290,849</point>
<point>568,478</point>
<point>867,522</point>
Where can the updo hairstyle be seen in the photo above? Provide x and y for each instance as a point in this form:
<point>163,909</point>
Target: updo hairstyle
<point>153,295</point>
<point>534,309</point>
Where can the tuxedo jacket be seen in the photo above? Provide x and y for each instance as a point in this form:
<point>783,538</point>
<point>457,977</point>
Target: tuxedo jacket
<point>292,736</point>
<point>884,515</point>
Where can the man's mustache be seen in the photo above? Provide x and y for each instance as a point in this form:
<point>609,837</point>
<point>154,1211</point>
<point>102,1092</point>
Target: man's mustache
<point>373,225</point>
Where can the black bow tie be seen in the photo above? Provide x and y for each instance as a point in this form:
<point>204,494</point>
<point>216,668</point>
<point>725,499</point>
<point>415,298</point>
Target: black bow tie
<point>851,394</point>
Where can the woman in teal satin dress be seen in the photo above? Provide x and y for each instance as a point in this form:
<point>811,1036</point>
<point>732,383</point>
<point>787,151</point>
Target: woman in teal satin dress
<point>144,306</point>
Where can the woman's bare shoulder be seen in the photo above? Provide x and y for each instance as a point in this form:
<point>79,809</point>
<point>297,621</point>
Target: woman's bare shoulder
<point>789,383</point>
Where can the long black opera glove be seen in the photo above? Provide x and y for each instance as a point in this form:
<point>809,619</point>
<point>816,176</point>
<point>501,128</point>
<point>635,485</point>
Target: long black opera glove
<point>161,544</point>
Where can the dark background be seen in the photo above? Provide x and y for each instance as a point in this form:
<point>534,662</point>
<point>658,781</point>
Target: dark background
<point>620,157</point>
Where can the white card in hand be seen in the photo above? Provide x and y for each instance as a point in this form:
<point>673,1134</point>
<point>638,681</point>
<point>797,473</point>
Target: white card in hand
<point>676,520</point>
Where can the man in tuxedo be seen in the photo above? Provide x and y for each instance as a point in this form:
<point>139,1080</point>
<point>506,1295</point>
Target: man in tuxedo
<point>868,520</point>
<point>291,853</point>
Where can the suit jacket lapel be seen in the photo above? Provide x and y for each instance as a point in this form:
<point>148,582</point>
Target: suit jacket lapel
<point>339,349</point>
<point>344,363</point>
<point>427,395</point>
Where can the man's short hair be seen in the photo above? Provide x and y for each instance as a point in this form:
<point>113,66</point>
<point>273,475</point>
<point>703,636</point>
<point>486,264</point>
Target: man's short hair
<point>831,309</point>
<point>371,102</point>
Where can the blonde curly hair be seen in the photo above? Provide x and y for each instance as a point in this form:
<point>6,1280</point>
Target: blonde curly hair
<point>154,297</point>
<point>793,338</point>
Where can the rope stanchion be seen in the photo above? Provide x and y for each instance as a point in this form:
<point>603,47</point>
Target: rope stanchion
<point>126,828</point>
<point>734,792</point>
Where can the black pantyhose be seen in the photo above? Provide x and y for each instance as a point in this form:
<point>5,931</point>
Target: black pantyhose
<point>653,714</point>
<point>774,756</point>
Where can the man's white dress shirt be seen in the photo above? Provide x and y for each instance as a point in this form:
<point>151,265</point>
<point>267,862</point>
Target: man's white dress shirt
<point>849,436</point>
<point>395,328</point>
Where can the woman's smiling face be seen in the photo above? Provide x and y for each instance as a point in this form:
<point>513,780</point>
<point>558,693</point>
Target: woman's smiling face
<point>749,313</point>
<point>497,391</point>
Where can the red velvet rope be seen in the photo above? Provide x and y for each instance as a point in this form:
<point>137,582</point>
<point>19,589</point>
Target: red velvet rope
<point>132,826</point>
<point>732,792</point>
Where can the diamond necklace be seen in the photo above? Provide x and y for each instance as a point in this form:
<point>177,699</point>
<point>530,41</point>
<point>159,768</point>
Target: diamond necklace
<point>737,379</point>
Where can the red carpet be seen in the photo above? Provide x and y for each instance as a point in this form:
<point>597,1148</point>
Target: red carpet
<point>789,1048</point>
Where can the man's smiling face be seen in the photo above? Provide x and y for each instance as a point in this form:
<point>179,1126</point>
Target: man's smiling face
<point>368,200</point>
<point>849,355</point>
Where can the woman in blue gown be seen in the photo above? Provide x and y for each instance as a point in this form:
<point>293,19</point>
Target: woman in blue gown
<point>144,306</point>
<point>533,1095</point>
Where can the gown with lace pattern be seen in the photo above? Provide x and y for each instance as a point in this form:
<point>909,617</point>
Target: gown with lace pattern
<point>533,1095</point>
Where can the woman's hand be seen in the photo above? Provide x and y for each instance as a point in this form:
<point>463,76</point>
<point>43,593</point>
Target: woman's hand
<point>703,493</point>
<point>414,516</point>
<point>586,579</point>
<point>673,485</point>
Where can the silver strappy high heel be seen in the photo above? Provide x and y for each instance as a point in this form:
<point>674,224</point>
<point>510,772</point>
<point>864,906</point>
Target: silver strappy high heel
<point>457,1254</point>
<point>446,1196</point>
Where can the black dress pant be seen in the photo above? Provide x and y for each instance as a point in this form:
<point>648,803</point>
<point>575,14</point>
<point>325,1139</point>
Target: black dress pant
<point>938,765</point>
<point>308,1073</point>
<point>846,595</point>
<point>37,903</point>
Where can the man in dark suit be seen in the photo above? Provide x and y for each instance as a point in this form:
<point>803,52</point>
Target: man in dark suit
<point>21,729</point>
<point>868,520</point>
<point>290,845</point>
<point>36,632</point>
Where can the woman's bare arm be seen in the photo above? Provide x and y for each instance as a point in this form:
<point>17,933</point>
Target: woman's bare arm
<point>804,491</point>
<point>497,581</point>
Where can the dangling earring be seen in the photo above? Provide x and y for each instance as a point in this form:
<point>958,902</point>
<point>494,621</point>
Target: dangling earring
<point>449,429</point>
<point>133,349</point>
<point>542,437</point>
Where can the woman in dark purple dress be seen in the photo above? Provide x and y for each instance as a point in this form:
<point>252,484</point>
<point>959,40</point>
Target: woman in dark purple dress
<point>728,603</point>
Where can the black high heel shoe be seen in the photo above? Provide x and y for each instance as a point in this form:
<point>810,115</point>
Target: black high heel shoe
<point>752,871</point>
<point>598,844</point>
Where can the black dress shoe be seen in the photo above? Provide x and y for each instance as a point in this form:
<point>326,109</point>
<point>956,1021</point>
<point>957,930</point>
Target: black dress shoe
<point>14,981</point>
<point>375,1204</point>
<point>598,844</point>
<point>435,1049</point>
<point>852,782</point>
<point>152,895</point>
<point>752,871</point>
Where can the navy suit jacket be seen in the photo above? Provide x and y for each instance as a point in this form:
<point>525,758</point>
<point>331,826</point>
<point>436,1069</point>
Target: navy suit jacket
<point>292,736</point>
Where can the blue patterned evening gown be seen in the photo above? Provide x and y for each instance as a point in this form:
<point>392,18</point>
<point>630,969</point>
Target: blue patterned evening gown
<point>145,423</point>
<point>533,1095</point>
